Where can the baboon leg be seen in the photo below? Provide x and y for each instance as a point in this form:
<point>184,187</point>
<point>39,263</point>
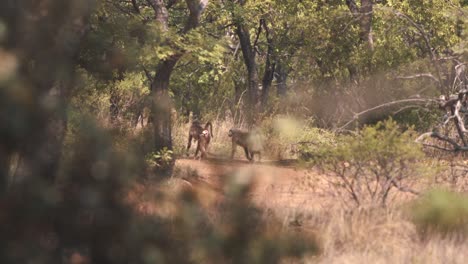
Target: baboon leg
<point>259,154</point>
<point>233,151</point>
<point>252,157</point>
<point>247,155</point>
<point>198,149</point>
<point>210,127</point>
<point>203,153</point>
<point>189,144</point>
<point>205,150</point>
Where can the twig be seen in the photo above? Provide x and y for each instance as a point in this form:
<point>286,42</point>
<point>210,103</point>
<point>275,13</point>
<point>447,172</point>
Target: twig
<point>404,189</point>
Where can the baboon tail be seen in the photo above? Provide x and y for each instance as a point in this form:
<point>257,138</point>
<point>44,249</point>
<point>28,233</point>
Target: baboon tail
<point>208,124</point>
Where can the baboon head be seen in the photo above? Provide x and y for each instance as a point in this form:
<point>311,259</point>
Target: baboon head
<point>205,133</point>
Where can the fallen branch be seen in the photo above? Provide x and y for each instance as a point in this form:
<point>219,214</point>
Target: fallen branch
<point>456,147</point>
<point>357,116</point>
<point>436,147</point>
<point>304,143</point>
<point>406,108</point>
<point>420,75</point>
<point>403,188</point>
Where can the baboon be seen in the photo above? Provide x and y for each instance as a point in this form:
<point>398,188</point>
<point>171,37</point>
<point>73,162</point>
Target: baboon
<point>195,131</point>
<point>203,143</point>
<point>250,141</point>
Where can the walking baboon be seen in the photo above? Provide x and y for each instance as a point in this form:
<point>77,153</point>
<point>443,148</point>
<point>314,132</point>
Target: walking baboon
<point>251,142</point>
<point>203,143</point>
<point>195,131</point>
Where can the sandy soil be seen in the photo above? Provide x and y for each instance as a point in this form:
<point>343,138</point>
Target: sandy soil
<point>279,186</point>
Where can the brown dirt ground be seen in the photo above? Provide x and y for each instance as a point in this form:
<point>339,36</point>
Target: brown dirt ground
<point>279,186</point>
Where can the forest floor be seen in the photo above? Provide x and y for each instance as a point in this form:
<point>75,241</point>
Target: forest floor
<point>280,186</point>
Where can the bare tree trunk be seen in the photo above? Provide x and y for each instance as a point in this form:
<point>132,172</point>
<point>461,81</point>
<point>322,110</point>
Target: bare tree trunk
<point>238,93</point>
<point>252,72</point>
<point>269,67</point>
<point>460,132</point>
<point>160,11</point>
<point>160,115</point>
<point>281,77</point>
<point>161,101</point>
<point>162,104</point>
<point>366,23</point>
<point>114,101</point>
<point>266,82</point>
<point>365,15</point>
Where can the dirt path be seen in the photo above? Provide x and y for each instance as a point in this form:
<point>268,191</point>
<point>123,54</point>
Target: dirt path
<point>280,187</point>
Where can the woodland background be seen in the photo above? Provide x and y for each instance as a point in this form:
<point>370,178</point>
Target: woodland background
<point>96,98</point>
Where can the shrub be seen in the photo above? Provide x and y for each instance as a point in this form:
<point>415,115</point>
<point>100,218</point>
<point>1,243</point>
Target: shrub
<point>161,160</point>
<point>291,138</point>
<point>441,212</point>
<point>366,167</point>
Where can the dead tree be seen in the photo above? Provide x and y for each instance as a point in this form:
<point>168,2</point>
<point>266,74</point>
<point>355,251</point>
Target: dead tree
<point>456,110</point>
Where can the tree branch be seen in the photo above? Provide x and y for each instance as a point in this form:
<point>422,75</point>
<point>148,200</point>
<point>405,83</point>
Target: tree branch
<point>259,30</point>
<point>170,3</point>
<point>160,11</point>
<point>196,8</point>
<point>426,41</point>
<point>352,6</point>
<point>135,6</point>
<point>420,75</point>
<point>148,74</point>
<point>456,146</point>
<point>360,114</point>
<point>403,188</point>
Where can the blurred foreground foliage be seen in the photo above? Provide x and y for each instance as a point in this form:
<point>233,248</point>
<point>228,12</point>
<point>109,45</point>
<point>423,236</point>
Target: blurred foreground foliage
<point>66,174</point>
<point>441,212</point>
<point>87,211</point>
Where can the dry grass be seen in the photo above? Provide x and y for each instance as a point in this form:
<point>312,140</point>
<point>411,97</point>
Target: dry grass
<point>281,135</point>
<point>299,199</point>
<point>382,236</point>
<point>219,146</point>
<point>372,235</point>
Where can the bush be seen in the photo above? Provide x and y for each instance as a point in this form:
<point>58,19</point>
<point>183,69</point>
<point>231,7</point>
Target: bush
<point>441,212</point>
<point>160,159</point>
<point>366,167</point>
<point>292,138</point>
